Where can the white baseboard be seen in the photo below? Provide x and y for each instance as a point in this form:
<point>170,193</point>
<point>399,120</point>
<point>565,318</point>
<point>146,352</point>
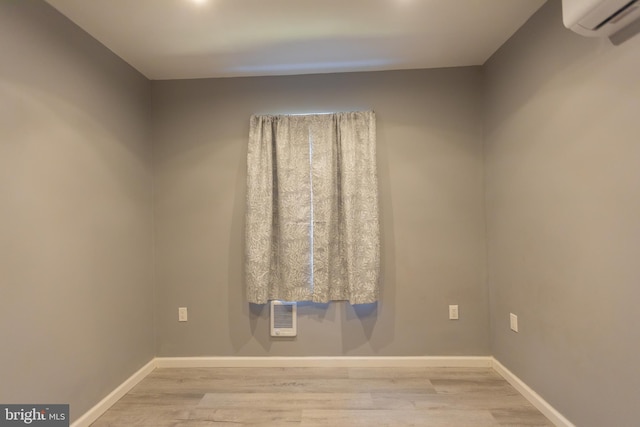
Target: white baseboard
<point>101,407</point>
<point>335,362</point>
<point>536,400</point>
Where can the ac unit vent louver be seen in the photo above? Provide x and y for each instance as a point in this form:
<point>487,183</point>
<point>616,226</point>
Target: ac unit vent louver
<point>593,18</point>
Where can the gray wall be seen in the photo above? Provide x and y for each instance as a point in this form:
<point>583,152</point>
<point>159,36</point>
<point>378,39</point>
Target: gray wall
<point>75,213</point>
<point>563,217</point>
<point>431,188</point>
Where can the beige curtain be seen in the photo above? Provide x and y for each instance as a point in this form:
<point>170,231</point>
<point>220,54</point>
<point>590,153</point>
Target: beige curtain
<point>312,227</point>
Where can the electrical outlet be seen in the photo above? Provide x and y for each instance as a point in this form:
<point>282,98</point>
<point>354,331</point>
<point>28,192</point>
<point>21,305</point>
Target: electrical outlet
<point>182,314</point>
<point>453,312</point>
<point>513,322</point>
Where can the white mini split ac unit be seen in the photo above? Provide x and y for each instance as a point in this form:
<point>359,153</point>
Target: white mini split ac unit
<point>283,319</point>
<point>599,18</point>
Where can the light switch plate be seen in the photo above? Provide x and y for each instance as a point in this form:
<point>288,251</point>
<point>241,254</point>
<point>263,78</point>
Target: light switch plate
<point>182,314</point>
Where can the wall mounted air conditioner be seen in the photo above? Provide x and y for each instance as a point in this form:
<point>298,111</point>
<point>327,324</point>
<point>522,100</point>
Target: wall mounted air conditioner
<point>283,319</point>
<point>599,18</point>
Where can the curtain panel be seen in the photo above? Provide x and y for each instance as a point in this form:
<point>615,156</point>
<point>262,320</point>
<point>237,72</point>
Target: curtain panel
<point>312,222</point>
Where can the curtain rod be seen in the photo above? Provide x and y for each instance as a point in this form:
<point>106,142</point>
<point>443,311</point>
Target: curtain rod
<point>312,113</point>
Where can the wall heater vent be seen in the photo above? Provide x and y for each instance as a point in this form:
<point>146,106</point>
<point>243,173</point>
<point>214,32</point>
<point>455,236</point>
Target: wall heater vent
<point>283,319</point>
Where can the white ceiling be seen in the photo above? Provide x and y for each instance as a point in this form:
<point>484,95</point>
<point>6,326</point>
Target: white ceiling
<point>179,39</point>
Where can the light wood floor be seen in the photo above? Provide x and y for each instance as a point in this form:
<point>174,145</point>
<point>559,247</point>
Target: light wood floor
<point>336,397</point>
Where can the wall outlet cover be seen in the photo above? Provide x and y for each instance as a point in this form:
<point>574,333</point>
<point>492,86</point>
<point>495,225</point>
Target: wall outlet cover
<point>513,322</point>
<point>453,312</point>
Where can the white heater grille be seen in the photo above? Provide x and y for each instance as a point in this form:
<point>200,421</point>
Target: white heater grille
<point>283,319</point>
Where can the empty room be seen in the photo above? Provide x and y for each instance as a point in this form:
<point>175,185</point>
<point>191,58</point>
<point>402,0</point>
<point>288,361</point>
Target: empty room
<point>319,213</point>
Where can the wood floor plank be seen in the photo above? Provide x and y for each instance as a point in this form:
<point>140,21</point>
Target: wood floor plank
<point>234,373</point>
<point>250,401</point>
<point>520,416</point>
<point>391,418</point>
<point>477,401</point>
<point>429,373</point>
<point>118,416</point>
<point>292,385</point>
<point>158,398</point>
<point>252,416</point>
<point>493,387</point>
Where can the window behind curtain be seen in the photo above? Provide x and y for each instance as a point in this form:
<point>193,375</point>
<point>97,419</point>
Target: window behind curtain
<point>312,221</point>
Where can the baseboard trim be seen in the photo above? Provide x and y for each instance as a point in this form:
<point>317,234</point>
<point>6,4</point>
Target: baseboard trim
<point>534,398</point>
<point>101,407</point>
<point>335,362</point>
